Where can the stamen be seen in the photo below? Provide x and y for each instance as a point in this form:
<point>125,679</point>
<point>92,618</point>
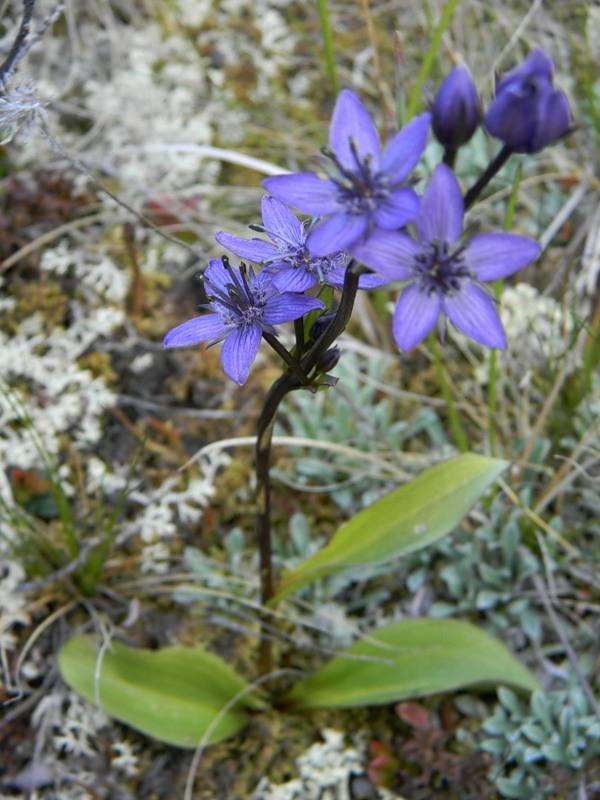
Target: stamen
<point>244,274</point>
<point>364,166</point>
<point>345,173</point>
<point>221,298</point>
<point>236,282</point>
<point>360,189</point>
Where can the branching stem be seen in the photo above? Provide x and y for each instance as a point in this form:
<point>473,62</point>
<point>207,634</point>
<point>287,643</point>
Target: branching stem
<point>301,375</point>
<point>492,168</point>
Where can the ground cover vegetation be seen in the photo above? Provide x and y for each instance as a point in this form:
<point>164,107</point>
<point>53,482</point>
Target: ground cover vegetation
<point>299,394</point>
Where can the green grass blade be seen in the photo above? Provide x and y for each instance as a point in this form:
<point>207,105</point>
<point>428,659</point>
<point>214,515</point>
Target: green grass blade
<point>328,46</point>
<point>63,504</point>
<point>430,56</point>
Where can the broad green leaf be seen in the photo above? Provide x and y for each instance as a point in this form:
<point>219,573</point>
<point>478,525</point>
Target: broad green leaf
<point>173,695</point>
<point>412,658</point>
<point>409,518</point>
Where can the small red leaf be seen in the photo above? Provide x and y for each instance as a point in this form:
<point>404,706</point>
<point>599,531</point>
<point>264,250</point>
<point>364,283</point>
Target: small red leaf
<point>414,714</point>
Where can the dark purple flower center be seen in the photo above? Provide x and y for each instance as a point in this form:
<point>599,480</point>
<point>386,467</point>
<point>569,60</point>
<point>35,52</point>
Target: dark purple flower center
<point>361,190</point>
<point>439,270</point>
<point>242,302</point>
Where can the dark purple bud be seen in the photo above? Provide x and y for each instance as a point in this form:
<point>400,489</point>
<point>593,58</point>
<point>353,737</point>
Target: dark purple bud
<point>528,113</point>
<point>329,359</point>
<point>456,110</point>
<point>320,326</point>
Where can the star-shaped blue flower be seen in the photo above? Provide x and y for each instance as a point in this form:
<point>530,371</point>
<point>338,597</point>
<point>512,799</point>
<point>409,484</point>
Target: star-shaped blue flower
<point>364,188</point>
<point>243,306</point>
<point>444,273</point>
<point>286,255</point>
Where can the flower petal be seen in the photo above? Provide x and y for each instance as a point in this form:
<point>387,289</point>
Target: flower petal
<point>304,191</point>
<point>351,122</point>
<point>440,217</point>
<point>513,118</point>
<point>265,282</point>
<point>239,351</point>
<point>281,225</point>
<point>555,119</point>
<point>397,210</point>
<point>474,313</point>
<point>456,111</point>
<point>336,233</point>
<point>390,253</point>
<point>194,331</point>
<point>288,306</point>
<point>404,150</point>
<point>368,281</point>
<point>537,67</point>
<point>217,275</point>
<point>371,281</point>
<point>254,250</point>
<point>492,256</point>
<point>294,279</point>
<point>415,316</point>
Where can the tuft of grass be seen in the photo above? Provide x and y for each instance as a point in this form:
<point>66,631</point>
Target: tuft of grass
<point>41,525</point>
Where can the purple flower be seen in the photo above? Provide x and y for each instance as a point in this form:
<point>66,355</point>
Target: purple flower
<point>528,113</point>
<point>444,274</point>
<point>456,110</point>
<point>244,306</point>
<point>287,257</point>
<point>364,188</point>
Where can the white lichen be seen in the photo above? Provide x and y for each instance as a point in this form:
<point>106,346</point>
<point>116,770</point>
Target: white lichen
<point>13,604</point>
<point>324,770</point>
<point>164,508</point>
<point>125,760</point>
<point>169,75</point>
<point>51,395</point>
<point>79,727</point>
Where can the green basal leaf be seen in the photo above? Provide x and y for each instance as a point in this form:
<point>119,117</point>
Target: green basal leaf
<point>412,658</point>
<point>409,518</point>
<point>174,695</point>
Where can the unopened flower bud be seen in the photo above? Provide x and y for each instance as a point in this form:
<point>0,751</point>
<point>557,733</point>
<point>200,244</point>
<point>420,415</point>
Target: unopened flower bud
<point>329,359</point>
<point>456,110</point>
<point>528,113</point>
<point>320,326</point>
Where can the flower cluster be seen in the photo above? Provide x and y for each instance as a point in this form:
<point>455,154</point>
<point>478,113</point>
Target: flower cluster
<point>363,209</point>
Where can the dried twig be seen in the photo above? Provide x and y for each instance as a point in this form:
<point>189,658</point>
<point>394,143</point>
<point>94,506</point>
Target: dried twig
<point>560,632</point>
<point>19,47</point>
<point>23,41</point>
